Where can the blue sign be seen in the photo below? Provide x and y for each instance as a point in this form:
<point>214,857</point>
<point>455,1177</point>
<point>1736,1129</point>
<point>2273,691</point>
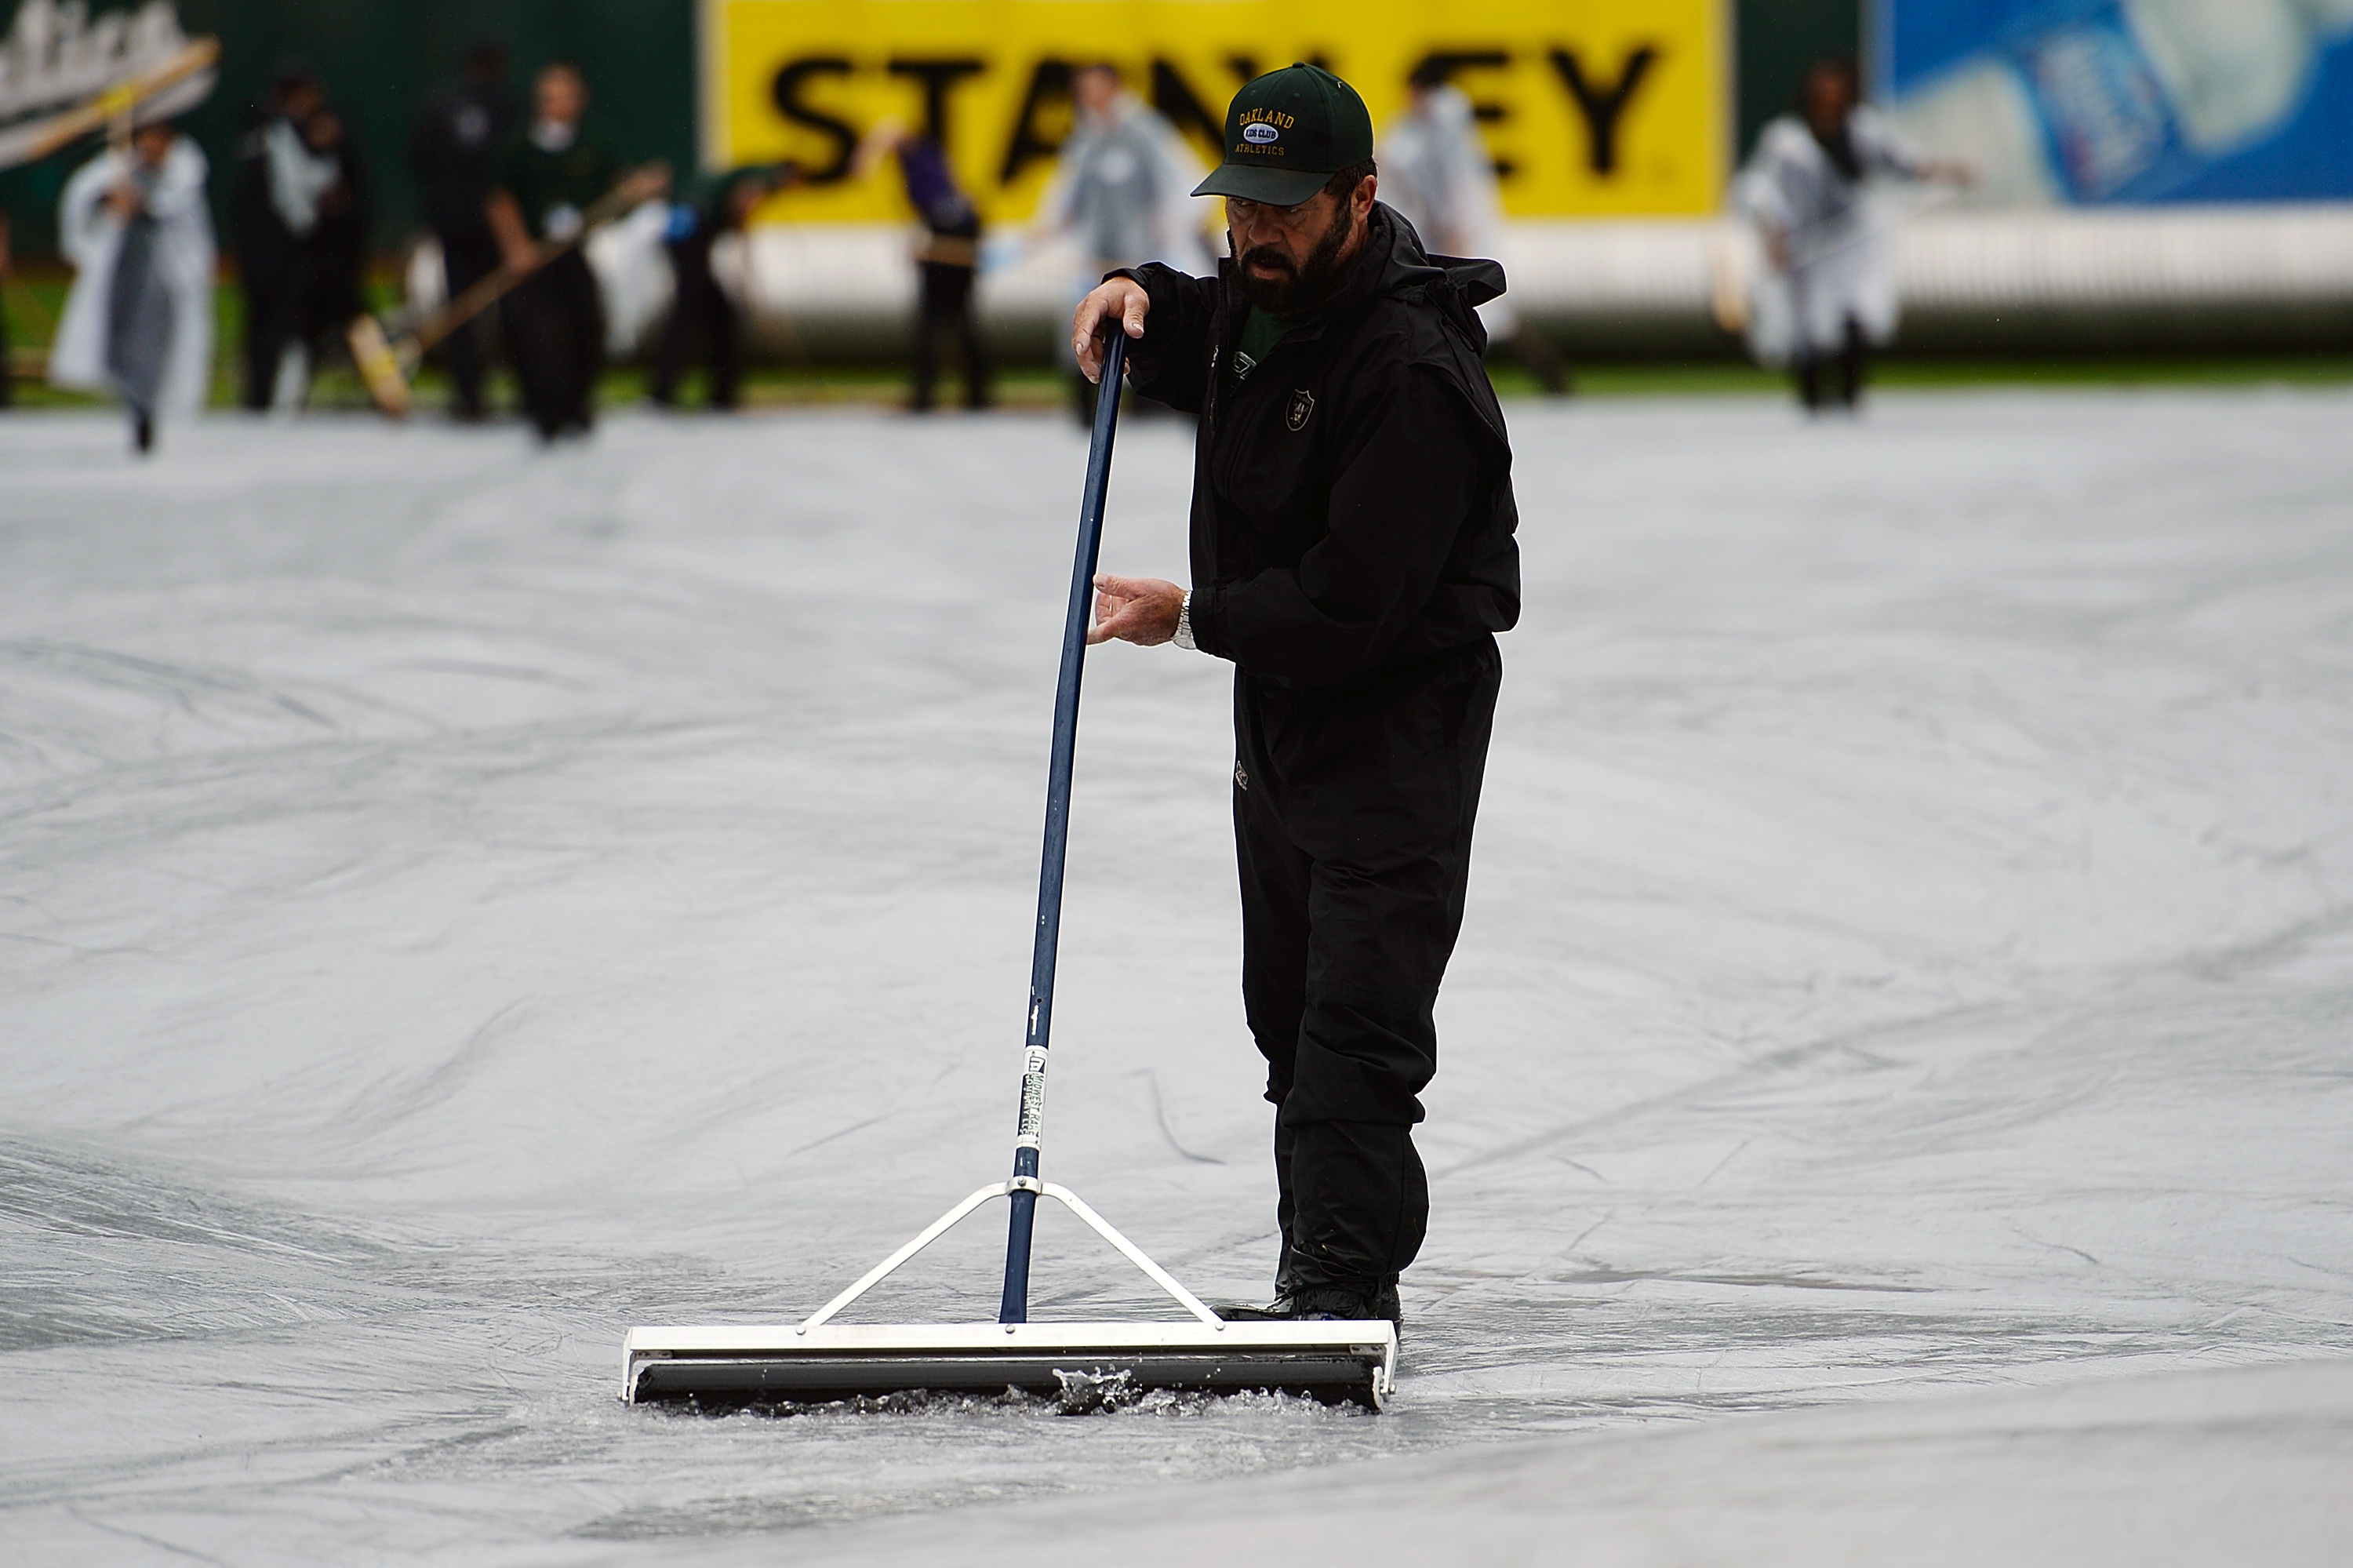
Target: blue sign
<point>2129,100</point>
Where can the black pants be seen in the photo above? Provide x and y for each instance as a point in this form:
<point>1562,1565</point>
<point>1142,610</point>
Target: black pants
<point>1852,360</point>
<point>307,295</point>
<point>946,312</point>
<point>1536,356</point>
<point>1353,811</point>
<point>467,258</point>
<point>700,315</point>
<point>556,333</point>
<point>276,316</point>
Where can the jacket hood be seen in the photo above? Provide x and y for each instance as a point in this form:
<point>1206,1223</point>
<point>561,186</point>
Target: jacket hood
<point>1476,279</point>
<point>1395,265</point>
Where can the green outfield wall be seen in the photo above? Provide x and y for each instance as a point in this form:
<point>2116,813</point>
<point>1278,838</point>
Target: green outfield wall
<point>380,59</point>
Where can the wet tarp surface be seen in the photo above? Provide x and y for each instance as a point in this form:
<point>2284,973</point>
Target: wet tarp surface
<point>456,903</point>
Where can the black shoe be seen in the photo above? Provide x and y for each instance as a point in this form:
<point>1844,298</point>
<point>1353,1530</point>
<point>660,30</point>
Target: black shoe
<point>1338,1303</point>
<point>143,432</point>
<point>1323,1304</point>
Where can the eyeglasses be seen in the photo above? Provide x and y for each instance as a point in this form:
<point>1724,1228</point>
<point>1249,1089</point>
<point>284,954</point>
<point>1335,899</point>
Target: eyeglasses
<point>1246,213</point>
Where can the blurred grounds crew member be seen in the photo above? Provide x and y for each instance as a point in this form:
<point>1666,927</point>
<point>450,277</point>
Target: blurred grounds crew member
<point>555,320</point>
<point>947,259</point>
<point>7,377</point>
<point>1438,175</point>
<point>700,314</point>
<point>454,153</point>
<point>1122,187</point>
<point>1353,555</point>
<point>139,323</point>
<point>1827,292</point>
<point>300,219</point>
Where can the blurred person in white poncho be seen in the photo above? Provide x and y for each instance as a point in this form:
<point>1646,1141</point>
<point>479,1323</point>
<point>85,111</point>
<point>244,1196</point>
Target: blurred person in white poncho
<point>139,321</point>
<point>1812,187</point>
<point>1436,171</point>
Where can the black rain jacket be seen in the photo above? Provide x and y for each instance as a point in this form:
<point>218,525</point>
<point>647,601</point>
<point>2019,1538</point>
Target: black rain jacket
<point>1352,501</point>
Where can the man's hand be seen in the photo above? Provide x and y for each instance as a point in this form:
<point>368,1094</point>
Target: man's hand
<point>505,218</point>
<point>1142,610</point>
<point>1124,299</point>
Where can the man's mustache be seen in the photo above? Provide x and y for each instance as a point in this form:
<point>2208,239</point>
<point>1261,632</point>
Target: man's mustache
<point>1273,255</point>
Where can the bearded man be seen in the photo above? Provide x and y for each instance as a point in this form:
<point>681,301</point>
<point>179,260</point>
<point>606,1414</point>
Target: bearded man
<point>1353,556</point>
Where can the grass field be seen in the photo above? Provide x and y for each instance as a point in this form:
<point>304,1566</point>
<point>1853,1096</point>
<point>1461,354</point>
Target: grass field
<point>32,306</point>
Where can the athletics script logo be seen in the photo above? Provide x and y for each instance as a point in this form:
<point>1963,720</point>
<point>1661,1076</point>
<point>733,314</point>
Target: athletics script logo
<point>56,61</point>
<point>58,55</point>
<point>1302,403</point>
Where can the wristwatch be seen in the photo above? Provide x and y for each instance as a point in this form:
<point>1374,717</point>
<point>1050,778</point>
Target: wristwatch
<point>1184,638</point>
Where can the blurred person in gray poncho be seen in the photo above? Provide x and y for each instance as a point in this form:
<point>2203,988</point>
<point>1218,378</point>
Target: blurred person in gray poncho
<point>139,321</point>
<point>1122,192</point>
<point>1436,173</point>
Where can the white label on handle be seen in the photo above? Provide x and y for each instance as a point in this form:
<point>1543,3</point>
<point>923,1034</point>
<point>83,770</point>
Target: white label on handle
<point>1033,1099</point>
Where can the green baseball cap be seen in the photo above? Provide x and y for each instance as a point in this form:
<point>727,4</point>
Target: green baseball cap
<point>1286,133</point>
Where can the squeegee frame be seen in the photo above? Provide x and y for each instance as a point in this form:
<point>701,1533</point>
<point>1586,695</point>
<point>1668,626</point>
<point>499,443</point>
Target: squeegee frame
<point>1033,1190</point>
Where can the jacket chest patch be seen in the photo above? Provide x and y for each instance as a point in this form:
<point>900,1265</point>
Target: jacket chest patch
<point>1303,404</point>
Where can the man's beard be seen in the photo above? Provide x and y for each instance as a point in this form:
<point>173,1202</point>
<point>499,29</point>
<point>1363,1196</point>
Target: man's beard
<point>1300,286</point>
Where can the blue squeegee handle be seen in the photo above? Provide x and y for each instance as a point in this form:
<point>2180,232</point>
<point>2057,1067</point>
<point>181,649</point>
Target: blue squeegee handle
<point>1015,1308</point>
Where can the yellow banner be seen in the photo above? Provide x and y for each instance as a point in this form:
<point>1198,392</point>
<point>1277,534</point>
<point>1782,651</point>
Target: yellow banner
<point>1592,108</point>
